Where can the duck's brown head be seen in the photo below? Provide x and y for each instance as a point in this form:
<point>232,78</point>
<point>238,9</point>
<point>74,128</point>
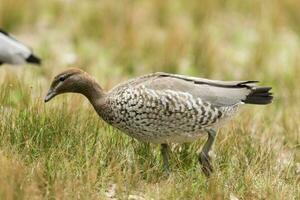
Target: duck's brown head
<point>73,80</point>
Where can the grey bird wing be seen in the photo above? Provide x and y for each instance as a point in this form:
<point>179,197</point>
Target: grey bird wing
<point>218,93</point>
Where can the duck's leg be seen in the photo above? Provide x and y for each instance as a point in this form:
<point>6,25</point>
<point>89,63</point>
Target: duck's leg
<point>203,157</point>
<point>165,156</point>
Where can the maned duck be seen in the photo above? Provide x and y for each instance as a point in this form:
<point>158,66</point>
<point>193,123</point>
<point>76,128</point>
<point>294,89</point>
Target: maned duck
<point>14,52</point>
<point>164,108</point>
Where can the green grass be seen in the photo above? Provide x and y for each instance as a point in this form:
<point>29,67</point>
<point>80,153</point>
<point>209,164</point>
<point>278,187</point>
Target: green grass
<point>62,150</point>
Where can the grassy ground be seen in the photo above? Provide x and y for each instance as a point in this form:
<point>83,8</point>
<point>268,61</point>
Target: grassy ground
<point>62,150</point>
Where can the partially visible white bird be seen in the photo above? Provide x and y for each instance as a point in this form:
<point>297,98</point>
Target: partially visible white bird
<point>14,52</point>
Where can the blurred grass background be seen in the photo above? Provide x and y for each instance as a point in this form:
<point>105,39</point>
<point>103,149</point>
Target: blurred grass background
<point>62,150</point>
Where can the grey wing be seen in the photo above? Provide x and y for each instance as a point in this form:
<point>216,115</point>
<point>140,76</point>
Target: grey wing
<point>218,93</point>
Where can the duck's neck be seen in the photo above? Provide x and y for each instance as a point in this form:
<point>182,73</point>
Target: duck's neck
<point>93,92</point>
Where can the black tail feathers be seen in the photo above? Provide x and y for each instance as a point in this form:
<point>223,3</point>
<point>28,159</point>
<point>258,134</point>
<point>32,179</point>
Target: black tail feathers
<point>259,95</point>
<point>34,60</point>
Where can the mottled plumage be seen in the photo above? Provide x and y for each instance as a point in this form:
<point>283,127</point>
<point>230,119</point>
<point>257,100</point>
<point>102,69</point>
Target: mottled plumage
<point>161,116</point>
<point>165,108</point>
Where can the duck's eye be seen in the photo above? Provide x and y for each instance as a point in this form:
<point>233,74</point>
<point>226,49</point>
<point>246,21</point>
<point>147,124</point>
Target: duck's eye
<point>62,78</point>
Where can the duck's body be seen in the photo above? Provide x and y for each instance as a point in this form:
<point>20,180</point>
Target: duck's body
<point>159,115</point>
<point>164,108</point>
<point>14,52</point>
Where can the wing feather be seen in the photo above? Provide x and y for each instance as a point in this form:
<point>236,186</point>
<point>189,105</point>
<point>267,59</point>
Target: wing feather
<point>218,93</point>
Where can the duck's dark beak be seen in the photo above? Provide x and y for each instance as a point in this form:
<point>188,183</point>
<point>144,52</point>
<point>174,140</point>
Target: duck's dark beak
<point>51,93</point>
